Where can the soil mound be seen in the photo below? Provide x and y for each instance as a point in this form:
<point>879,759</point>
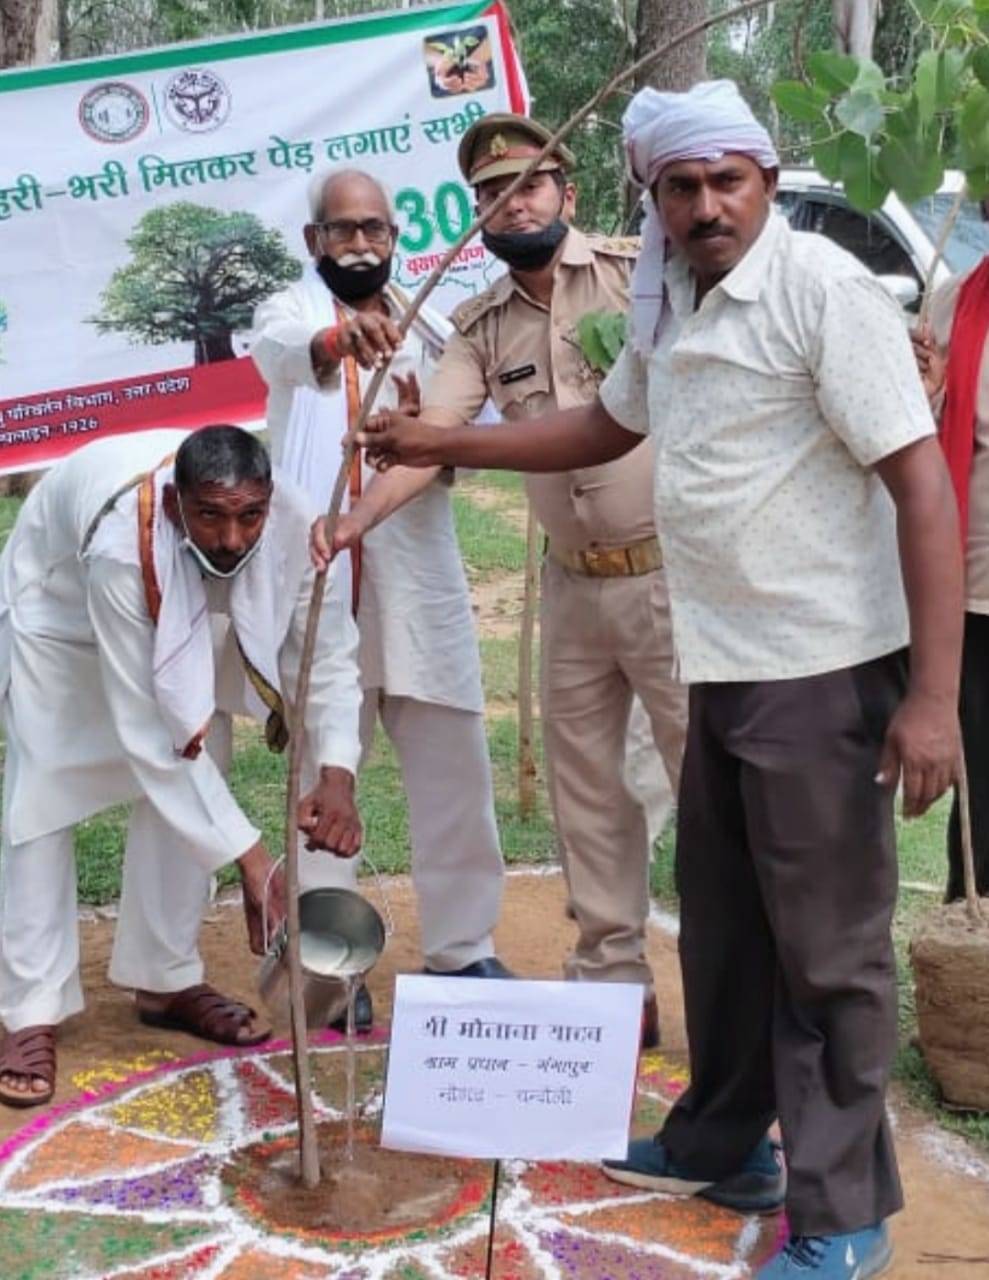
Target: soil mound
<point>950,959</point>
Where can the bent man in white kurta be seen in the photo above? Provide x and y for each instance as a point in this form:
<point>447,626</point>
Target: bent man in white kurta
<point>140,604</point>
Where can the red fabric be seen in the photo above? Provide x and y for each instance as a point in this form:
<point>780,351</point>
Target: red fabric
<point>969,331</point>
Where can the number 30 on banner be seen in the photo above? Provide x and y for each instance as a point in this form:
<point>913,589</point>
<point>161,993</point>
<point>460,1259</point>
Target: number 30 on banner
<point>449,213</point>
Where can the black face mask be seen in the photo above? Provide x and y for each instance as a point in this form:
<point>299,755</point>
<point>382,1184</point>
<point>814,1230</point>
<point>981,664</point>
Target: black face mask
<point>526,250</point>
<point>353,284</point>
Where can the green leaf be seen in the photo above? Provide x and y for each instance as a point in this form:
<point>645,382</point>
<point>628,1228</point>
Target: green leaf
<point>835,72</point>
<point>925,84</point>
<point>860,112</point>
<point>940,13</point>
<point>800,101</point>
<point>977,181</point>
<point>611,330</point>
<point>870,78</point>
<point>973,128</point>
<point>980,65</point>
<point>950,69</point>
<point>827,157</point>
<point>864,185</point>
<point>912,166</point>
<point>594,350</point>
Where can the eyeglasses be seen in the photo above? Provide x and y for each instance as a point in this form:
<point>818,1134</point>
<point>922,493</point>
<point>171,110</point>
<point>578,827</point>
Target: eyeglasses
<point>343,230</point>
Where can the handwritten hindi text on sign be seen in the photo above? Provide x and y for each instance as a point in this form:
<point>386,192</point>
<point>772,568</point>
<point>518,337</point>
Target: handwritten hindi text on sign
<point>538,1070</point>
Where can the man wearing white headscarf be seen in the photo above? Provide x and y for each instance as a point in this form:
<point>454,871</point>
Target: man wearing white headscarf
<point>799,489</point>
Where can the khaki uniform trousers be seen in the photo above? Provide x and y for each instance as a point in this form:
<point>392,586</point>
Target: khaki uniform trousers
<point>603,640</point>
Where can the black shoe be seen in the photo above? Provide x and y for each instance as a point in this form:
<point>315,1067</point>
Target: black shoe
<point>489,967</point>
<point>363,1014</point>
<point>650,1036</point>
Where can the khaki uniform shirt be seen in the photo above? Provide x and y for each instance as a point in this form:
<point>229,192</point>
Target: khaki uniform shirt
<point>526,357</point>
<point>769,406</point>
<point>977,546</point>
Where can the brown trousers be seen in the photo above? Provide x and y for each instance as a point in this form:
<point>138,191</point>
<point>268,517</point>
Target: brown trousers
<point>787,871</point>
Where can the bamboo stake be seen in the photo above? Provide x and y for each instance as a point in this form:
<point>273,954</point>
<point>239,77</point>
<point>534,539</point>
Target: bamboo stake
<point>527,759</point>
<point>309,1159</point>
<point>950,218</point>
<point>973,906</point>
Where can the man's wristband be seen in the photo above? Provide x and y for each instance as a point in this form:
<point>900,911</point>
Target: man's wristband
<point>332,343</point>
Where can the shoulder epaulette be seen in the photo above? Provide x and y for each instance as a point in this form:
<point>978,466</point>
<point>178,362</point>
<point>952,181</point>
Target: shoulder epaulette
<point>616,246</point>
<point>467,314</point>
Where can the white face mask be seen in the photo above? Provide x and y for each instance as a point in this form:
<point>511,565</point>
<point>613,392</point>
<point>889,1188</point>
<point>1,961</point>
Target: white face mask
<point>202,559</point>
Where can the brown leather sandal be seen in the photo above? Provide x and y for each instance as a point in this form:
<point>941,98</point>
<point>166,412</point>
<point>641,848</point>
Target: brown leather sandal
<point>29,1052</point>
<point>202,1011</point>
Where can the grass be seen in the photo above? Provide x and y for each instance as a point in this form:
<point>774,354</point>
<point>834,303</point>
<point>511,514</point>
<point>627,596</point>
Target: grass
<point>9,508</point>
<point>490,543</point>
<point>500,667</point>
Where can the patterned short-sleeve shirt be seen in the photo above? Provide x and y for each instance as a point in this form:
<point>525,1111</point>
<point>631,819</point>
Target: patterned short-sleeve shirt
<point>768,406</point>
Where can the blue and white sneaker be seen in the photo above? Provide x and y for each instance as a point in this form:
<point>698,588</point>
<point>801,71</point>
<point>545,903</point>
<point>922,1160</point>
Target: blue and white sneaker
<point>856,1255</point>
<point>758,1186</point>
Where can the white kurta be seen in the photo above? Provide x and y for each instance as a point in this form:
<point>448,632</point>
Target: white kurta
<point>84,731</point>
<point>417,637</point>
<point>75,663</point>
<point>419,660</point>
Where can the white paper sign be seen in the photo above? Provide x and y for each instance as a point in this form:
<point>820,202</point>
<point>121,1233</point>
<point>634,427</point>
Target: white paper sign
<point>502,1069</point>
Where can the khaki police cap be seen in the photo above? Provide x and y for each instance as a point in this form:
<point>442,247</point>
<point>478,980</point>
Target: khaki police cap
<point>505,143</point>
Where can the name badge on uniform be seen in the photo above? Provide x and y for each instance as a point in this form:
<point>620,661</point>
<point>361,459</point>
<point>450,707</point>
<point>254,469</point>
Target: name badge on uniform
<point>516,375</point>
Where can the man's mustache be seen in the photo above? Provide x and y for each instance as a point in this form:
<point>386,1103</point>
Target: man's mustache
<point>359,260</point>
<point>708,230</point>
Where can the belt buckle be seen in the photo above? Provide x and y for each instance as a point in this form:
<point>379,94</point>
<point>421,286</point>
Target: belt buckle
<point>604,562</point>
<point>591,558</point>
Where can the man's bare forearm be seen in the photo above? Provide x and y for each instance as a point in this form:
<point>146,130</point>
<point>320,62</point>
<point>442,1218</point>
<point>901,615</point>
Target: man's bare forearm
<point>386,494</point>
<point>558,441</point>
<point>932,565</point>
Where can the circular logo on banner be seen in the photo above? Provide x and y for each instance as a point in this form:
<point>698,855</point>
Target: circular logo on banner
<point>197,100</point>
<point>113,112</point>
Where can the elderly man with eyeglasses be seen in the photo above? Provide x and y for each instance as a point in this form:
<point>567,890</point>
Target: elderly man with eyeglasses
<point>317,343</point>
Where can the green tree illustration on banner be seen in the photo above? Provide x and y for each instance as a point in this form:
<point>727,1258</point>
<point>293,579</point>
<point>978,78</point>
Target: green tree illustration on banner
<point>195,275</point>
<point>877,133</point>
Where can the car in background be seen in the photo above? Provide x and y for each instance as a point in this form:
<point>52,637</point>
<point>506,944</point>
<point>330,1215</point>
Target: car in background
<point>896,242</point>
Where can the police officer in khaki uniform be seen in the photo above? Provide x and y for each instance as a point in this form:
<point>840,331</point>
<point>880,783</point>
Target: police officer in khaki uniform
<point>605,622</point>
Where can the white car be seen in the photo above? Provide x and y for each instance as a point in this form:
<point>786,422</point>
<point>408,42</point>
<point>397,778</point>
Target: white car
<point>897,242</point>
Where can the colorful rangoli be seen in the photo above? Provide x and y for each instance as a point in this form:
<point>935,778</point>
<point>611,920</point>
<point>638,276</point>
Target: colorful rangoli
<point>157,1172</point>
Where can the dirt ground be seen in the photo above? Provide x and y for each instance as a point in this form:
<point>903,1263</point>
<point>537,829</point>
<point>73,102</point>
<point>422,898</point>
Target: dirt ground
<point>942,1235</point>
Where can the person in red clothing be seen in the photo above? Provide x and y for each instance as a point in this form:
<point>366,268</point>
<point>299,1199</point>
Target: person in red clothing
<point>953,357</point>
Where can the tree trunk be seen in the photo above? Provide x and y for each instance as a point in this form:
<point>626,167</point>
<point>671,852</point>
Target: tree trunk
<point>854,25</point>
<point>213,348</point>
<point>657,21</point>
<point>27,29</point>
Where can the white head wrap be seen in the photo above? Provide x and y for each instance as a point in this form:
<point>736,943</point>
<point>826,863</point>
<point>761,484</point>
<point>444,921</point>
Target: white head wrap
<point>707,122</point>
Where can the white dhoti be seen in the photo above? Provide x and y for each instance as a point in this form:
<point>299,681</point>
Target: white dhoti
<point>165,890</point>
<point>645,774</point>
<point>457,867</point>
